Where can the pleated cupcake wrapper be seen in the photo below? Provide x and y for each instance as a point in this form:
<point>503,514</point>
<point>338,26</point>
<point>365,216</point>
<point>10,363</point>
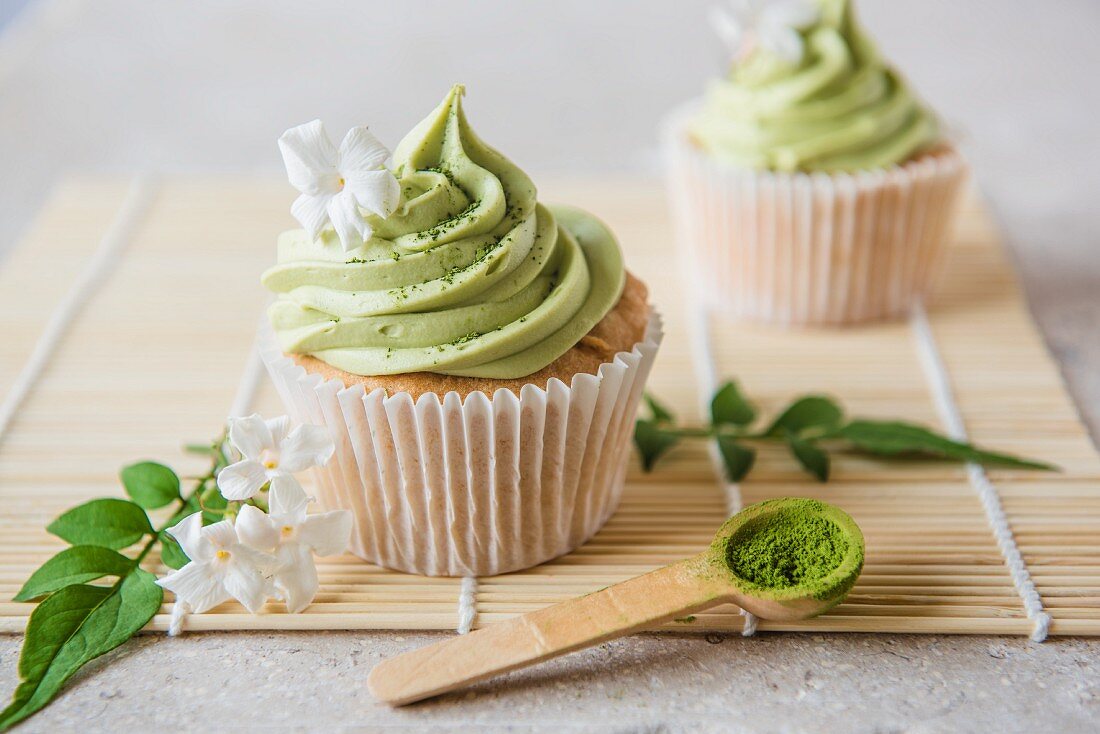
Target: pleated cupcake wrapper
<point>449,487</point>
<point>810,249</point>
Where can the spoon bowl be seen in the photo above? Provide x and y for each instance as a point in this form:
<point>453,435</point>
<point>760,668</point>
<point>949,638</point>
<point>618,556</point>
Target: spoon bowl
<point>687,586</point>
<point>798,601</point>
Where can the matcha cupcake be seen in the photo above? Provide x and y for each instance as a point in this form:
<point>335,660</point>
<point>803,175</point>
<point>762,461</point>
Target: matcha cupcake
<point>477,355</point>
<point>810,185</point>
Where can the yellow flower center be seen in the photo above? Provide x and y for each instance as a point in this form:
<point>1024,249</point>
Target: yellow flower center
<point>222,555</point>
<point>341,183</point>
<point>287,530</point>
<point>270,459</point>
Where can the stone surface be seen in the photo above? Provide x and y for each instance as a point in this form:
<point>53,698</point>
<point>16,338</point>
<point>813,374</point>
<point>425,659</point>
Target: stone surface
<point>649,683</point>
<point>208,84</point>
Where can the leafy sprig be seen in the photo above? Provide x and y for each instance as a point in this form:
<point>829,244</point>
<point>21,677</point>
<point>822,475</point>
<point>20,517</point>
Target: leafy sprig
<point>77,621</point>
<point>811,427</point>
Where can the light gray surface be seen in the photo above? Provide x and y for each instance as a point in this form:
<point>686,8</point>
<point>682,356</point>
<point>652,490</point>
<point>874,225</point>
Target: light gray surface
<point>650,683</point>
<point>568,85</point>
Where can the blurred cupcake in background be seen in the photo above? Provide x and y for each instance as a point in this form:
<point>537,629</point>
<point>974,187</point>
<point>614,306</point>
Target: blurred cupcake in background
<point>810,185</point>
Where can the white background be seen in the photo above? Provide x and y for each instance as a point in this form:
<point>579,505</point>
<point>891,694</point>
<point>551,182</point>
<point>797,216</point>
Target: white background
<point>563,86</point>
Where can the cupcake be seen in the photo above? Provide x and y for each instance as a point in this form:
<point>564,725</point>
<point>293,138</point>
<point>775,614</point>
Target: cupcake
<point>810,185</point>
<point>477,355</point>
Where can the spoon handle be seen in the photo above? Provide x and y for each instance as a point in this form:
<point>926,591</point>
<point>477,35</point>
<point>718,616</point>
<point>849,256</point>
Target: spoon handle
<point>612,612</point>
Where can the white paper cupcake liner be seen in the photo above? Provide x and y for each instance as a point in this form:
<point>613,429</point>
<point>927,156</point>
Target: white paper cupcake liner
<point>810,249</point>
<point>449,487</point>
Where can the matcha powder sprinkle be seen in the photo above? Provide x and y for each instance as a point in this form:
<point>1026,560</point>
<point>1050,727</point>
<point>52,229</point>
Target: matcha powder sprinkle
<point>788,549</point>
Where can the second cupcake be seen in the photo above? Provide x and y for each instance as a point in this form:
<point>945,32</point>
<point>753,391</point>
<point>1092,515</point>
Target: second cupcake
<point>810,185</point>
<point>477,356</point>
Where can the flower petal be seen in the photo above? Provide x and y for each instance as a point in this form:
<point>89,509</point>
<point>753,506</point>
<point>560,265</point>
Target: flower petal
<point>288,501</point>
<point>197,585</point>
<point>278,428</point>
<point>255,529</point>
<point>221,535</point>
<point>306,446</point>
<point>784,42</point>
<point>376,191</point>
<point>242,480</point>
<point>310,158</point>
<point>296,580</point>
<point>265,563</point>
<point>188,533</point>
<point>250,435</point>
<point>729,29</point>
<point>327,533</point>
<point>746,10</point>
<point>360,151</point>
<point>311,211</point>
<point>790,13</point>
<point>352,229</point>
<point>245,583</point>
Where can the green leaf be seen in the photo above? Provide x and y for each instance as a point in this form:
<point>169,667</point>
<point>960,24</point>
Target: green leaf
<point>212,501</point>
<point>891,438</point>
<point>813,411</point>
<point>151,485</point>
<point>652,441</point>
<point>812,458</point>
<point>110,523</point>
<point>171,554</point>
<point>729,407</point>
<point>72,627</point>
<point>77,565</point>
<point>660,413</point>
<point>737,458</point>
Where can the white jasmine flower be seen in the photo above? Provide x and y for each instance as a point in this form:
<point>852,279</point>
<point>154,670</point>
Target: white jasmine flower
<point>773,25</point>
<point>221,568</point>
<point>293,537</point>
<point>337,185</point>
<point>270,452</point>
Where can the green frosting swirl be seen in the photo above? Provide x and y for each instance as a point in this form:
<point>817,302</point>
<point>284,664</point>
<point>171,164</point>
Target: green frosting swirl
<point>469,276</point>
<point>843,108</point>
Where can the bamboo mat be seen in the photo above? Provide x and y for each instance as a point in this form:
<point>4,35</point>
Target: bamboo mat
<point>157,355</point>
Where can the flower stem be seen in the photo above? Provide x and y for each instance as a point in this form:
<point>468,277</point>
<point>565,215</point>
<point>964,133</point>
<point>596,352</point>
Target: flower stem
<point>219,461</point>
<point>696,432</point>
<point>715,431</point>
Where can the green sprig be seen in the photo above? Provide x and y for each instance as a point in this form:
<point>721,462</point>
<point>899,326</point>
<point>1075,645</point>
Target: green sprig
<point>810,427</point>
<point>78,621</point>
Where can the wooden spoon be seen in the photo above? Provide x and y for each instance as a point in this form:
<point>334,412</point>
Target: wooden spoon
<point>639,603</point>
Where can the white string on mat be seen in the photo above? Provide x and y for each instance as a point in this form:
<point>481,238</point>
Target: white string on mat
<point>467,604</point>
<point>706,377</point>
<point>249,383</point>
<point>107,254</point>
<point>939,381</point>
<point>180,610</point>
<point>243,400</point>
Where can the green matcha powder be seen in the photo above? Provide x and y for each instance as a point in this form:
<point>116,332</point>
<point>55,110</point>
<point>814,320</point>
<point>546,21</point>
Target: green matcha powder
<point>791,548</point>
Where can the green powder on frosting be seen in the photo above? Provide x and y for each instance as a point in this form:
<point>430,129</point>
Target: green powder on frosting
<point>470,251</point>
<point>794,547</point>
